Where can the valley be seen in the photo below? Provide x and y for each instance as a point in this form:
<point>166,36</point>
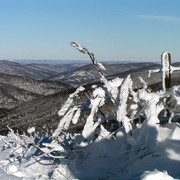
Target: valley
<point>32,94</point>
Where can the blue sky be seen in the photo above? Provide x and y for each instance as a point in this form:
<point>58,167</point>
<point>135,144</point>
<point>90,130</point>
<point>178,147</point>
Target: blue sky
<point>112,29</point>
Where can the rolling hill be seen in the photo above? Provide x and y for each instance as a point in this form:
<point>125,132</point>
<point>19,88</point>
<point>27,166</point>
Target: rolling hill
<point>27,102</point>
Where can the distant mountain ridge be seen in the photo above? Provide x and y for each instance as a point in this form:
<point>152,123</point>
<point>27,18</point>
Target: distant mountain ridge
<point>33,70</point>
<point>43,87</point>
<point>14,90</point>
<point>12,96</point>
<point>87,74</point>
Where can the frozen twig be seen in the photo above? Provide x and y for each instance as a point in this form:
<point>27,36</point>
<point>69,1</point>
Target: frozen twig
<point>153,71</point>
<point>69,101</point>
<point>90,126</point>
<point>143,82</point>
<point>67,114</point>
<point>99,67</point>
<point>174,69</point>
<point>122,108</point>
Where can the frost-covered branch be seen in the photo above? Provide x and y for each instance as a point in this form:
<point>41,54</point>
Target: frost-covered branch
<point>153,71</point>
<point>174,69</point>
<point>98,66</point>
<point>151,108</point>
<point>90,126</point>
<point>122,108</point>
<point>68,114</point>
<point>69,101</point>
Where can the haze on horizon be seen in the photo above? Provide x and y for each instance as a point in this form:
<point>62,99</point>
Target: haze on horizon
<point>112,30</point>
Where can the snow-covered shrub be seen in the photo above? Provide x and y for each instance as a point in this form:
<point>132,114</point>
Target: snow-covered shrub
<point>102,139</point>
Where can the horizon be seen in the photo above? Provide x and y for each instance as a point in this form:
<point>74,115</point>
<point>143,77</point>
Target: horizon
<point>82,61</point>
<point>113,30</point>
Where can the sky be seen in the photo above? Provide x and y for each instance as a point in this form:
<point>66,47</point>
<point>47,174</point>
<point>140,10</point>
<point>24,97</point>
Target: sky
<point>114,30</point>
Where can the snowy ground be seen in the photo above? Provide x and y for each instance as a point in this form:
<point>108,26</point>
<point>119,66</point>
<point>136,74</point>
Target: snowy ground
<point>103,159</point>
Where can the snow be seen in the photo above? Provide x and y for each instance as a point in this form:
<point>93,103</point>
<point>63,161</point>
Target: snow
<point>166,66</point>
<point>67,116</point>
<point>98,100</point>
<point>166,69</point>
<point>123,97</point>
<point>31,130</point>
<point>153,71</point>
<point>100,66</point>
<point>174,69</point>
<point>105,158</point>
<point>156,175</point>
